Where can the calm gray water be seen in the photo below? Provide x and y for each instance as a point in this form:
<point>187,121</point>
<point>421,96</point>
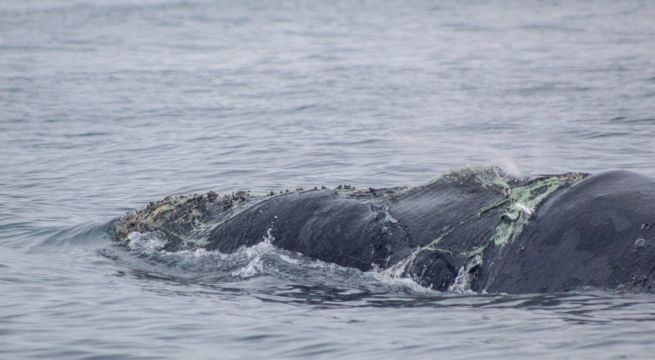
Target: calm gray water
<point>106,105</point>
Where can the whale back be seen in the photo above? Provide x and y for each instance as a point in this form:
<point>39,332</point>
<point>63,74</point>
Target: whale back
<point>599,233</point>
<point>343,227</point>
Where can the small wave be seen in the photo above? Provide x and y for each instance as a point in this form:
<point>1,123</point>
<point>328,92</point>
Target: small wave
<point>271,274</point>
<point>143,253</point>
<point>150,246</point>
<point>61,239</point>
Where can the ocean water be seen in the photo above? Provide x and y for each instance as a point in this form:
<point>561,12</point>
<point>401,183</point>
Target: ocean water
<point>107,105</point>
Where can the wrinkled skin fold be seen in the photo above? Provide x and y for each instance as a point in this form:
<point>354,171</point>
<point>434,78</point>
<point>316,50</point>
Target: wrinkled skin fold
<point>472,229</point>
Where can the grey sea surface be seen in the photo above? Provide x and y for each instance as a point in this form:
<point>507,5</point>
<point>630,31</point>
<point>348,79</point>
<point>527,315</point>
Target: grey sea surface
<point>107,105</point>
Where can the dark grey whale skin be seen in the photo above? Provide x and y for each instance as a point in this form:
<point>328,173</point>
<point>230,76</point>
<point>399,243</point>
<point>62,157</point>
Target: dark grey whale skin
<point>374,228</point>
<point>600,233</point>
<point>592,232</point>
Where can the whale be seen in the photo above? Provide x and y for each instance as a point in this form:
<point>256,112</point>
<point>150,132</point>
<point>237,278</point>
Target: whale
<point>473,229</point>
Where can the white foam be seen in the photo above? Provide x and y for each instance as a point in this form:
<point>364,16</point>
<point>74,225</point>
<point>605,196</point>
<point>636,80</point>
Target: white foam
<point>145,242</point>
<point>462,284</point>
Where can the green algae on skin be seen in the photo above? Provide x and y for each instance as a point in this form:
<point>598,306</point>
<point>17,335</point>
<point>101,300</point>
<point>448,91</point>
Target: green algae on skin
<point>523,202</point>
<point>489,178</point>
